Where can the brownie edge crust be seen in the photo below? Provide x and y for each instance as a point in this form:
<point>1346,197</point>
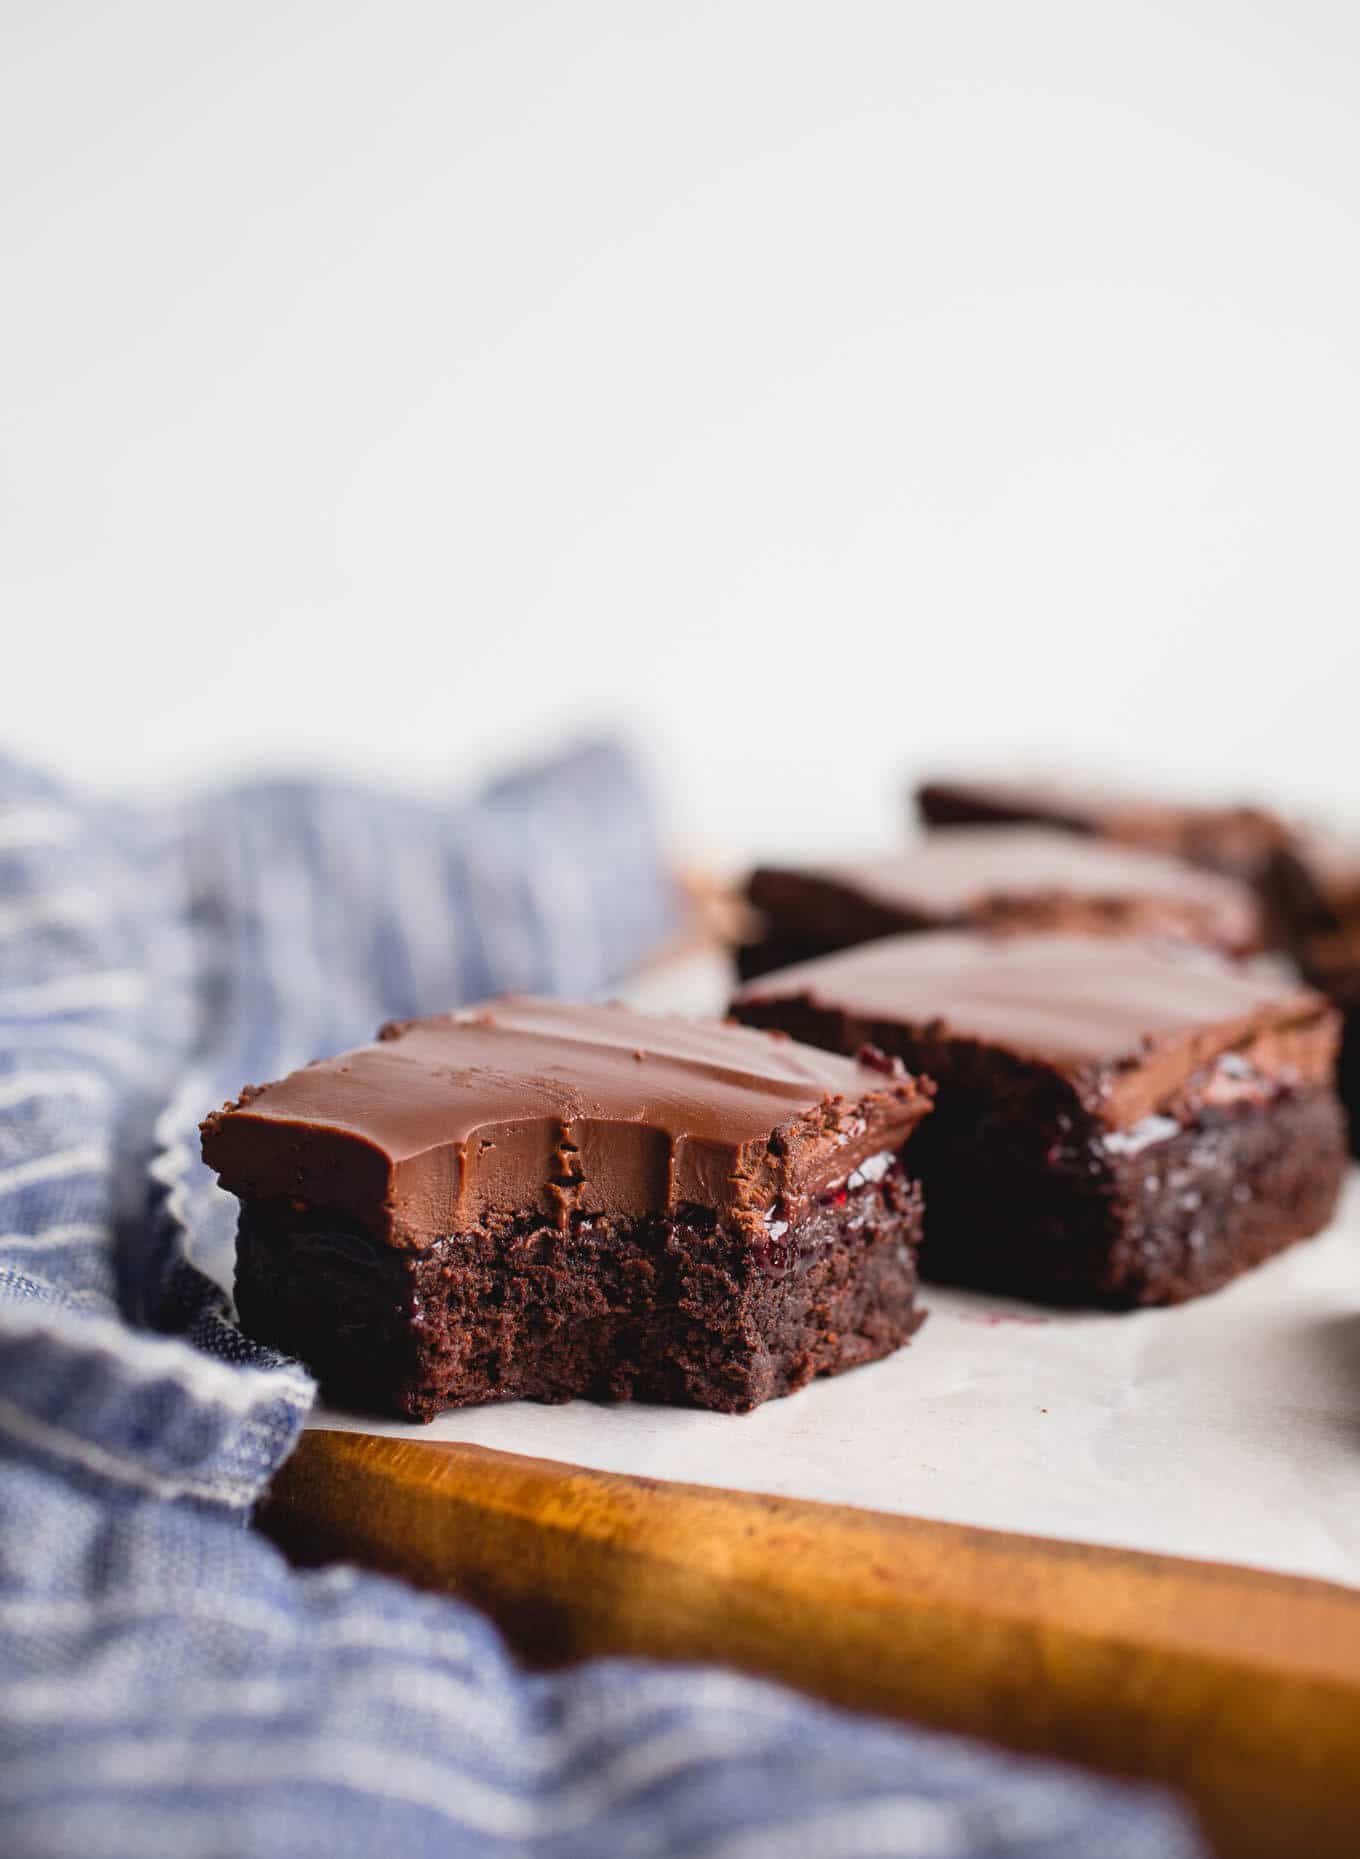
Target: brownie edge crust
<point>684,1310</point>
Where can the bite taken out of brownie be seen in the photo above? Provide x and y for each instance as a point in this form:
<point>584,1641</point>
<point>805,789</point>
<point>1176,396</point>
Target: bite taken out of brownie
<point>1005,880</point>
<point>540,1201</point>
<point>1116,1123</point>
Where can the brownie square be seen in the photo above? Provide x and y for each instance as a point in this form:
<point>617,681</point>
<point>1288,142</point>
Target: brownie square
<point>1241,842</point>
<point>1247,843</point>
<point>1116,1122</point>
<point>1306,878</point>
<point>540,1201</point>
<point>1005,880</point>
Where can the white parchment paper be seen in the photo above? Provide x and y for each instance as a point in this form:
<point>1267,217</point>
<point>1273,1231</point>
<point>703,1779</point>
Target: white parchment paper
<point>1228,1428</point>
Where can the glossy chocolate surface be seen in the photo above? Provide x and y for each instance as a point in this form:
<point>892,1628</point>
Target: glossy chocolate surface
<point>981,874</point>
<point>529,1105</point>
<point>1224,837</point>
<point>1129,1024</point>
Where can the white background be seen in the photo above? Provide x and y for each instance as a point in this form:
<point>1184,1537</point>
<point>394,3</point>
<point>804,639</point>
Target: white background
<point>819,390</point>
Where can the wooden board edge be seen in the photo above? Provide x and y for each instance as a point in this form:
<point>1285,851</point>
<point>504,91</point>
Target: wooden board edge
<point>1237,1687</point>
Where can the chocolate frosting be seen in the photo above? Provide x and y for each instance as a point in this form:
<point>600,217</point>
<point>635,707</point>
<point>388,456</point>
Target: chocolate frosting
<point>536,1106</point>
<point>1236,837</point>
<point>974,874</point>
<point>1127,1023</point>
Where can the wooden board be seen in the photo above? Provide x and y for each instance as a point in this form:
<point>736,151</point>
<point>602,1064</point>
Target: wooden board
<point>1242,1689</point>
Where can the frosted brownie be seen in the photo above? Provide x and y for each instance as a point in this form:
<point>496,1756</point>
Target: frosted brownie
<point>539,1201</point>
<point>1006,879</point>
<point>1293,870</point>
<point>1238,840</point>
<point>1116,1122</point>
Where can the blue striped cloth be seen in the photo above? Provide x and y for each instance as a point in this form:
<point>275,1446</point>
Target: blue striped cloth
<point>169,1687</point>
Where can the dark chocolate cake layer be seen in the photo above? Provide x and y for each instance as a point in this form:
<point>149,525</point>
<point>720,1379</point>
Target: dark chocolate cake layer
<point>1116,1123</point>
<point>681,1309</point>
<point>1006,880</point>
<point>544,1201</point>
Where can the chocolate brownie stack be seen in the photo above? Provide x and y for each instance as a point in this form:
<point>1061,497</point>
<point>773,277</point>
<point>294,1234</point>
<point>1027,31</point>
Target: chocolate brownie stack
<point>537,1200</point>
<point>1306,879</point>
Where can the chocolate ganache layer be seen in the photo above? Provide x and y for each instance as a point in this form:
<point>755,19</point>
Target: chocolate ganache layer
<point>1009,880</point>
<point>536,1105</point>
<point>1236,839</point>
<point>1128,1024</point>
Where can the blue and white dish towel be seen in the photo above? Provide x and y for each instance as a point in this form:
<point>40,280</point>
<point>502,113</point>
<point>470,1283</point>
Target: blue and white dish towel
<point>169,1687</point>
